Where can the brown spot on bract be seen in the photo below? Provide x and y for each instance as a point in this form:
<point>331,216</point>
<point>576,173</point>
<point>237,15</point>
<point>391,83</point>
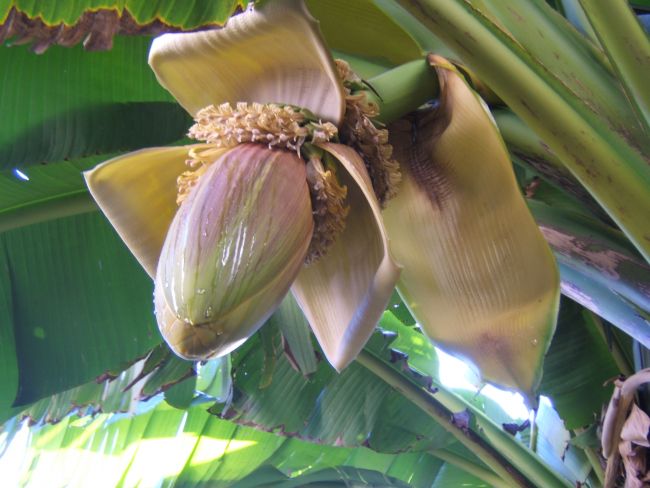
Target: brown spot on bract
<point>494,344</point>
<point>414,138</point>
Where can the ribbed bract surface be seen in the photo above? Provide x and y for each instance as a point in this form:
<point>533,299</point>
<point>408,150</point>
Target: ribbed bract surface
<point>232,250</point>
<point>478,275</point>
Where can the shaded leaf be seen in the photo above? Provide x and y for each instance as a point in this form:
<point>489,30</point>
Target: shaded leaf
<point>103,395</point>
<point>214,379</point>
<point>180,395</point>
<point>361,28</point>
<point>170,372</point>
<point>75,315</point>
<point>296,336</point>
<point>400,310</point>
<point>452,476</point>
<point>68,103</point>
<point>9,368</point>
<point>351,409</point>
<point>271,477</point>
<point>123,391</point>
<point>587,439</point>
<point>579,396</point>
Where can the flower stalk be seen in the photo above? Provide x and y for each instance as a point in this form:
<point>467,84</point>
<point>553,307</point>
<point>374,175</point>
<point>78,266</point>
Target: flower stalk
<point>402,90</point>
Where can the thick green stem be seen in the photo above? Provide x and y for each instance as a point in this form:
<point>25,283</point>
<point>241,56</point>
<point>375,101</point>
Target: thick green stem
<point>628,49</point>
<point>444,417</point>
<point>403,89</point>
<point>460,462</point>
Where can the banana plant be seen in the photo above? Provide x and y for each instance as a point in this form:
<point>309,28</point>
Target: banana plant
<point>349,211</point>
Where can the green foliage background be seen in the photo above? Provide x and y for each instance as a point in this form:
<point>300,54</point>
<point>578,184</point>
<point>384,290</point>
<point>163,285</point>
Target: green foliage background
<point>76,308</point>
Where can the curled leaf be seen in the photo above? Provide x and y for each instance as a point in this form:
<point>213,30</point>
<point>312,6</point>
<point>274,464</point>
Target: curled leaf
<point>625,430</point>
<point>637,427</point>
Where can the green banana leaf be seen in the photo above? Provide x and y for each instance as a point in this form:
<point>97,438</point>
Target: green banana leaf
<point>128,391</point>
<point>62,292</point>
<point>70,103</point>
<point>357,407</point>
<point>397,426</point>
<point>578,397</point>
<point>173,447</point>
<point>72,313</point>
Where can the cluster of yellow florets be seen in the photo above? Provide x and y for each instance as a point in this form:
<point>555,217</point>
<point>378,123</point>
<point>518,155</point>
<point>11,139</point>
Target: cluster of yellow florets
<point>358,131</point>
<point>278,126</point>
<point>328,208</point>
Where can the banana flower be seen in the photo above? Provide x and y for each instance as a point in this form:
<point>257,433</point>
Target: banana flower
<point>272,201</point>
<point>252,211</point>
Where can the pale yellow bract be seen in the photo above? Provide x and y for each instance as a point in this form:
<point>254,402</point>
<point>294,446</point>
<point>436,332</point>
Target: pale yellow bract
<point>478,274</point>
